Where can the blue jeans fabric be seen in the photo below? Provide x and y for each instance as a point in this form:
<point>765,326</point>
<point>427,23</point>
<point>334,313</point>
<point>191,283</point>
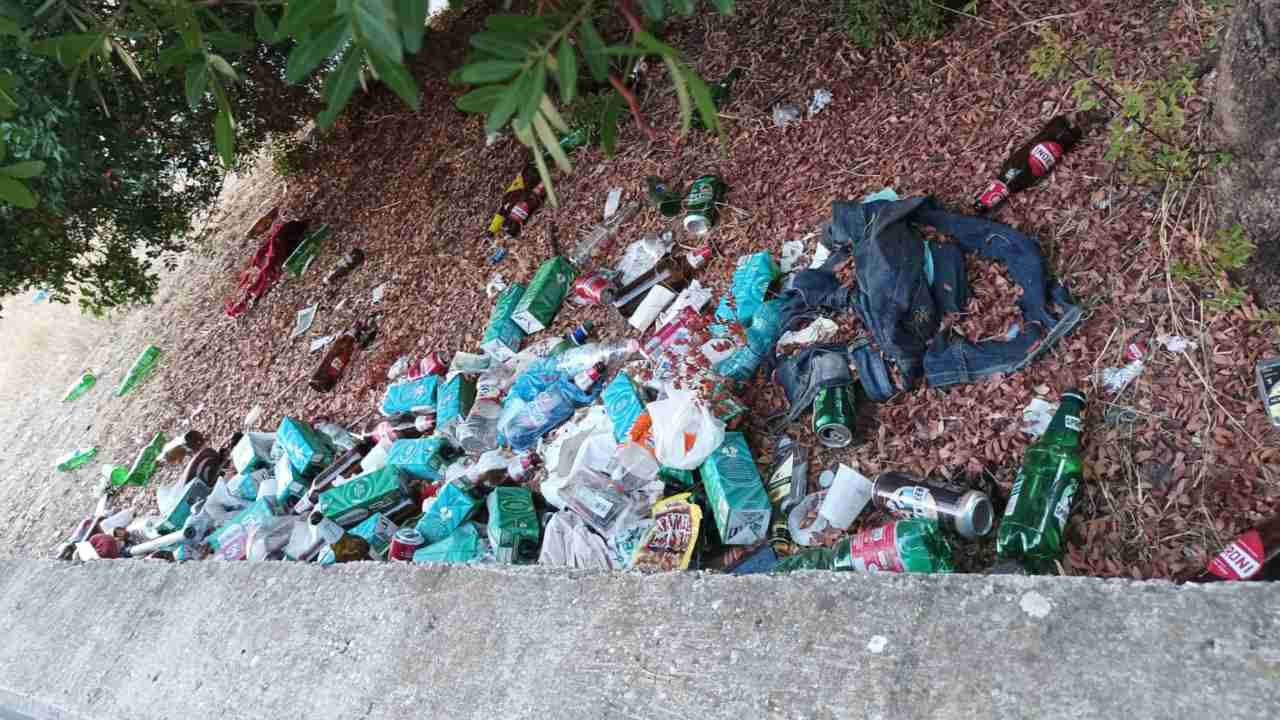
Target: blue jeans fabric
<point>903,310</point>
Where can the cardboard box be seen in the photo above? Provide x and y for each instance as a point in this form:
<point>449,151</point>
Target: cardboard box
<point>423,458</point>
<point>502,336</point>
<point>452,507</point>
<point>253,451</point>
<point>546,292</point>
<point>513,525</point>
<point>308,451</point>
<point>358,498</point>
<point>736,492</point>
<point>454,402</point>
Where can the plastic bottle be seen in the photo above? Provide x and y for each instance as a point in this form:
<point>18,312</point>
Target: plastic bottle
<point>642,255</point>
<point>600,233</point>
<point>575,360</point>
<point>551,408</point>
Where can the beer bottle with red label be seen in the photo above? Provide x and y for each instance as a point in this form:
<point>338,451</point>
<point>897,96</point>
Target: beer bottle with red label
<point>1031,162</point>
<point>335,361</point>
<point>1255,555</point>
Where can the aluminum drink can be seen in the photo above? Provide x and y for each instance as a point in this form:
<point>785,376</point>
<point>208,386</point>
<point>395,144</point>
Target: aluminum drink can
<point>700,204</point>
<point>593,289</point>
<point>431,364</point>
<point>1269,388</point>
<point>404,544</point>
<point>965,512</point>
<point>831,417</point>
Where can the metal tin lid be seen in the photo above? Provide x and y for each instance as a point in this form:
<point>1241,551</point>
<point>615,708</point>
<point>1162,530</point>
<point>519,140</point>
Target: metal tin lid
<point>696,224</point>
<point>976,515</point>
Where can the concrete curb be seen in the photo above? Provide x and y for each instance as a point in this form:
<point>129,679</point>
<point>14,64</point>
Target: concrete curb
<point>143,639</point>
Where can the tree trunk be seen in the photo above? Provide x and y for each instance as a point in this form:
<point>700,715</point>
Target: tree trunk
<point>1247,119</point>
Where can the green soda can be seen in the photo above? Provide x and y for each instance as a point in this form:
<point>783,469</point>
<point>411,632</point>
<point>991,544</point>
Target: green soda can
<point>700,204</point>
<point>80,386</point>
<point>76,458</point>
<point>832,417</point>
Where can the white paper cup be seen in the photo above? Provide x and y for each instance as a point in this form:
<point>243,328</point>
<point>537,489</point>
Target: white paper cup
<point>849,494</point>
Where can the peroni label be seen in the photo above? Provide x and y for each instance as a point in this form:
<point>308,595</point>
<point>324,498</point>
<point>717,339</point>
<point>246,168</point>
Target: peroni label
<point>1241,559</point>
<point>1043,157</point>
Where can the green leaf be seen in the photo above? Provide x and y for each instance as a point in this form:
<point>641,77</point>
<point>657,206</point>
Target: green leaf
<point>548,109</point>
<point>395,76</point>
<point>15,193</point>
<point>217,62</point>
<point>567,69</point>
<point>489,71</point>
<point>507,104</point>
<point>197,81</point>
<point>300,14</point>
<point>225,136</point>
<point>724,6</point>
<point>25,169</point>
<point>682,93</point>
<point>706,105</point>
<point>684,7</point>
<point>627,51</point>
<point>503,45</point>
<point>546,176</point>
<point>517,24</point>
<point>4,151</point>
<point>375,25</point>
<point>609,124</point>
<point>482,99</point>
<point>263,26</point>
<point>173,56</point>
<point>229,42</point>
<point>655,45</point>
<point>593,51</point>
<point>533,93</point>
<point>655,9</point>
<point>412,15</point>
<point>307,56</point>
<point>339,86</point>
<point>548,137</point>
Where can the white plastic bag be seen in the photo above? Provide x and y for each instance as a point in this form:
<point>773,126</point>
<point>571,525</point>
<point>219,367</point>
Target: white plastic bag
<point>681,414</point>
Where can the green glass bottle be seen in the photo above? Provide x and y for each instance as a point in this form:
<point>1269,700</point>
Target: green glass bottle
<point>76,458</point>
<point>140,370</point>
<point>1040,501</point>
<point>80,386</point>
<point>915,546</point>
<point>145,465</point>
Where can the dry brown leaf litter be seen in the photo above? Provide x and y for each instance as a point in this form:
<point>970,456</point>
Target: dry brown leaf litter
<point>1193,464</point>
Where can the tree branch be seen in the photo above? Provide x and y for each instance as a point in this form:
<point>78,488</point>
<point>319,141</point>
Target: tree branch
<point>634,104</point>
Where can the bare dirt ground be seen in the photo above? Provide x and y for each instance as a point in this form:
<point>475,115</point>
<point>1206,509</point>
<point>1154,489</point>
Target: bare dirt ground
<point>1175,467</point>
<point>47,346</point>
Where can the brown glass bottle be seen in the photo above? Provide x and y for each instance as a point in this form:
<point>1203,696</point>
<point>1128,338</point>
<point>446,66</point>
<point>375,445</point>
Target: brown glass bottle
<point>1255,555</point>
<point>335,361</point>
<point>519,205</point>
<point>1033,160</point>
<point>673,272</point>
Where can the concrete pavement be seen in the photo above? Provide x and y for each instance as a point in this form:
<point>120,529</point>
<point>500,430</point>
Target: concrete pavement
<point>148,640</point>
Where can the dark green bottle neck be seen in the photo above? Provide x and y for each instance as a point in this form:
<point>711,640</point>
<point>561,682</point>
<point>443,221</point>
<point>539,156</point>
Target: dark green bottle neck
<point>1068,423</point>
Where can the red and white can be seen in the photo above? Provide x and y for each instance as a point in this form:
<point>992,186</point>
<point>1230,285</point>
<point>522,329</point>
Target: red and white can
<point>592,289</point>
<point>431,364</point>
<point>404,544</point>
